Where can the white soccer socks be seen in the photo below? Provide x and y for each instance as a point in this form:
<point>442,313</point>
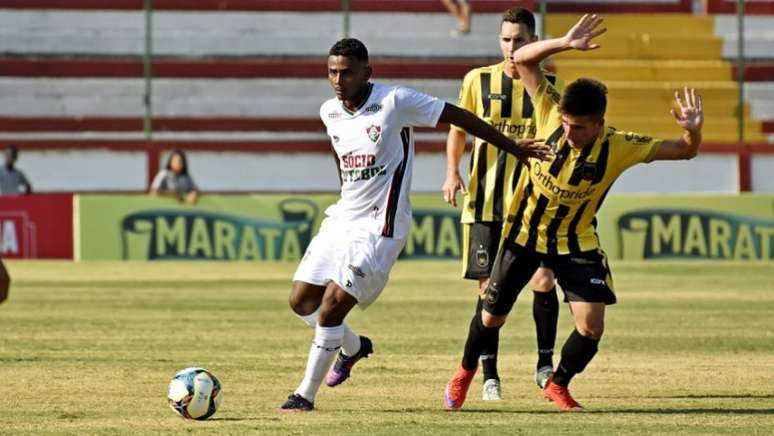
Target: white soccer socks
<point>326,343</point>
<point>351,344</point>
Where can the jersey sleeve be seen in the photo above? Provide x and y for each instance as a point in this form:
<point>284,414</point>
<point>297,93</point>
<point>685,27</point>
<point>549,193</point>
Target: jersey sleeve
<point>546,104</point>
<point>418,109</point>
<point>467,98</point>
<point>634,148</point>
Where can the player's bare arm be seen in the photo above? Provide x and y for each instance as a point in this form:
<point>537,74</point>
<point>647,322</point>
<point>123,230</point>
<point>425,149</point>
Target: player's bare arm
<point>521,148</point>
<point>528,58</point>
<point>689,115</point>
<point>455,146</point>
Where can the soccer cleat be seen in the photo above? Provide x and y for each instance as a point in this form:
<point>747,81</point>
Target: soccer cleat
<point>343,366</point>
<point>457,388</point>
<point>297,403</point>
<point>561,396</point>
<point>492,390</point>
<point>542,375</point>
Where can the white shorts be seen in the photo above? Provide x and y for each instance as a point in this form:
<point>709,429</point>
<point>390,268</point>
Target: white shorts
<point>357,260</point>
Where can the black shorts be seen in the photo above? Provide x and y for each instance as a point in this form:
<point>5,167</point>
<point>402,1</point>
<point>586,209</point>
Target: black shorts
<point>480,244</point>
<point>583,277</point>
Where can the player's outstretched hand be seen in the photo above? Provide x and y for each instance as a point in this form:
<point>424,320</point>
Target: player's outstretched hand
<point>689,114</point>
<point>535,148</point>
<point>451,185</point>
<point>580,35</point>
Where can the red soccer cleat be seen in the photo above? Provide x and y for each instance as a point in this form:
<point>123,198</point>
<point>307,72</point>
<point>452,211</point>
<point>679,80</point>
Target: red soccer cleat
<point>561,396</point>
<point>457,388</point>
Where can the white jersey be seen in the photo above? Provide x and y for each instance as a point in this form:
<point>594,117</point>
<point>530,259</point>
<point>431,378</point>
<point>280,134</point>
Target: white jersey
<point>375,149</point>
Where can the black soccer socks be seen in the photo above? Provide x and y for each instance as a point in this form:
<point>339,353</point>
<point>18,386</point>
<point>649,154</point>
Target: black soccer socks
<point>545,311</point>
<point>490,348</point>
<point>577,352</point>
<point>478,336</point>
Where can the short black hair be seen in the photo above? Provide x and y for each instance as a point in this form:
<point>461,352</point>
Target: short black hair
<point>519,16</point>
<point>350,48</point>
<point>584,97</point>
<point>182,159</point>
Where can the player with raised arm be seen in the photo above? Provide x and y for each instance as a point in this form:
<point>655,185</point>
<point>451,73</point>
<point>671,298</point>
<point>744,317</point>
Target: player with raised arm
<point>349,260</point>
<point>495,94</point>
<point>554,217</point>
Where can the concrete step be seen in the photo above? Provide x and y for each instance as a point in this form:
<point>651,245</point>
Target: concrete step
<point>208,33</point>
<point>758,36</point>
<point>643,70</point>
<point>293,97</point>
<point>653,46</point>
<point>240,34</point>
<point>653,24</point>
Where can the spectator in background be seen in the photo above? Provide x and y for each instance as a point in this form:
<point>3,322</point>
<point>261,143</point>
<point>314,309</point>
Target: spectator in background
<point>175,181</point>
<point>461,11</point>
<point>12,181</point>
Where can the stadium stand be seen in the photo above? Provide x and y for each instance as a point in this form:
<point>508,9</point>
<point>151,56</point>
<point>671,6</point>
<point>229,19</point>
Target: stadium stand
<point>71,71</point>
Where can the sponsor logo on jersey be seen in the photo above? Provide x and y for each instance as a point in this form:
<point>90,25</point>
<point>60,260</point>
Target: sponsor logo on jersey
<point>335,115</point>
<point>638,139</point>
<point>547,181</point>
<point>374,108</point>
<point>493,96</point>
<point>374,132</point>
<point>356,270</point>
<point>597,282</point>
<point>350,160</point>
<point>335,139</point>
<point>519,130</point>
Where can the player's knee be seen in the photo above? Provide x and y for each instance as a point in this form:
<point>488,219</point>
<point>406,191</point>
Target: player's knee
<point>543,281</point>
<point>331,314</point>
<point>300,305</point>
<point>490,321</point>
<point>591,330</point>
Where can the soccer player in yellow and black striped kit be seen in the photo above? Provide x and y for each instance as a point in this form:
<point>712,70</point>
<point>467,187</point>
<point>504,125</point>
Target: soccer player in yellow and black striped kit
<point>495,94</point>
<point>552,219</point>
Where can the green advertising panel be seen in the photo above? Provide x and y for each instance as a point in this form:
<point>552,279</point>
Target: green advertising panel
<point>279,227</point>
<point>731,227</point>
<point>248,227</point>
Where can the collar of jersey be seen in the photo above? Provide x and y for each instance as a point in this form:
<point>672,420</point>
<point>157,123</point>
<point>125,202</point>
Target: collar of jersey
<point>362,103</point>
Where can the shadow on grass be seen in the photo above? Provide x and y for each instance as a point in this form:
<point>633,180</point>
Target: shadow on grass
<point>643,411</point>
<point>715,396</point>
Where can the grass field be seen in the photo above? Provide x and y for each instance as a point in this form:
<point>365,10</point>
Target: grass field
<point>88,348</point>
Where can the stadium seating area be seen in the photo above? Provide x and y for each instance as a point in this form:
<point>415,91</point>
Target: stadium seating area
<point>252,72</point>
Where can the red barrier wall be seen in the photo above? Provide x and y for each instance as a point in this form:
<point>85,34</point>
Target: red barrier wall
<point>36,226</point>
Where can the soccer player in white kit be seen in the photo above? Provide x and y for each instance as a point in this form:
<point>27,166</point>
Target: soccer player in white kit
<point>349,260</point>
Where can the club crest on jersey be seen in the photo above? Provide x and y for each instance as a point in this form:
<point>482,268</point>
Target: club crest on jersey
<point>374,132</point>
<point>482,258</point>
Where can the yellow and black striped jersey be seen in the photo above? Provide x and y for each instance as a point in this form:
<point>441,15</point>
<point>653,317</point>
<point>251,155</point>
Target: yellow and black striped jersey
<point>554,211</point>
<point>494,174</point>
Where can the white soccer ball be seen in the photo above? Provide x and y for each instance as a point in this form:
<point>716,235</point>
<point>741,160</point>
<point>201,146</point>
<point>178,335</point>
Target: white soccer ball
<point>194,393</point>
